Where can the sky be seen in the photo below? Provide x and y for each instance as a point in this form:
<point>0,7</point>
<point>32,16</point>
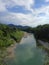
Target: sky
<point>24,12</point>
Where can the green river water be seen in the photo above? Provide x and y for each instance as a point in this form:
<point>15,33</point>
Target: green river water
<point>27,53</point>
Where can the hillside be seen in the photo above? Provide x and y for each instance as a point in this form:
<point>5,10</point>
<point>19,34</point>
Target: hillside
<point>42,32</point>
<point>9,35</point>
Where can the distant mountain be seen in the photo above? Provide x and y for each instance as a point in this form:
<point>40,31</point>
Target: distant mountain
<point>19,26</point>
<point>11,25</point>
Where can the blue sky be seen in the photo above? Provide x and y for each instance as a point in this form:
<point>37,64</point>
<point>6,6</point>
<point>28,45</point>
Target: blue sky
<point>24,12</point>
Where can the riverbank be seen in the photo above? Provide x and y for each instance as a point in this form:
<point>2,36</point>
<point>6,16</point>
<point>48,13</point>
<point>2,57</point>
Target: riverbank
<point>9,34</point>
<point>45,46</point>
<point>10,49</point>
<point>26,53</point>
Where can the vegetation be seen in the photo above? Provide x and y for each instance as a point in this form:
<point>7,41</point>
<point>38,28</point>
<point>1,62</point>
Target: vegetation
<point>12,34</point>
<point>3,54</point>
<point>8,35</point>
<point>40,32</point>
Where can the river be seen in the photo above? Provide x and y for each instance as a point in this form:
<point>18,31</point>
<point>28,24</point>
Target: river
<point>27,53</point>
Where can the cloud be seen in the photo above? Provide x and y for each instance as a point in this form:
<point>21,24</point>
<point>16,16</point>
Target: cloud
<point>24,19</point>
<point>2,6</point>
<point>11,3</point>
<point>17,18</point>
<point>46,0</point>
<point>10,17</point>
<point>26,3</point>
<point>36,17</point>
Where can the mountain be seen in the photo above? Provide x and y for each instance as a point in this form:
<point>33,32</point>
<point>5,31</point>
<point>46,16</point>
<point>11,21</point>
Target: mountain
<point>19,26</point>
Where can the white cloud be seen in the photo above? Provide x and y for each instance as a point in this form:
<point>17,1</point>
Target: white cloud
<point>24,19</point>
<point>31,19</point>
<point>26,3</point>
<point>17,18</point>
<point>2,6</point>
<point>43,9</point>
<point>46,0</point>
<point>14,17</point>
